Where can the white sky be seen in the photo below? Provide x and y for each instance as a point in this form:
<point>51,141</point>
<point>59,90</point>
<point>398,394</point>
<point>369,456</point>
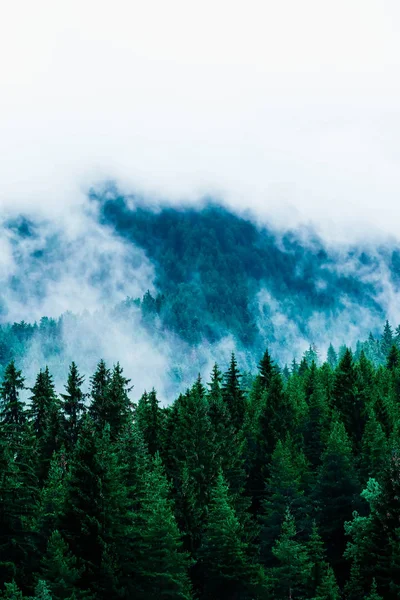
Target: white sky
<point>288,107</point>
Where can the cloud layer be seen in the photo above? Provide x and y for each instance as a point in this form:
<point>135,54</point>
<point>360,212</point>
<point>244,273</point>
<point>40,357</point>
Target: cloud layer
<point>289,109</point>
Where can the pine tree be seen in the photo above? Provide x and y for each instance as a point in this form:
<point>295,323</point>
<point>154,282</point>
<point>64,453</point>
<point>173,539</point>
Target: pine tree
<point>59,569</point>
<point>346,399</point>
<point>121,407</point>
<point>42,591</point>
<point>19,497</point>
<point>162,566</point>
<point>267,369</point>
<point>393,359</point>
<point>294,567</point>
<point>387,339</point>
<point>12,409</point>
<point>73,406</point>
<point>45,416</point>
<point>192,447</point>
<point>328,589</point>
<point>331,358</point>
<point>316,552</point>
<point>100,409</point>
<point>11,592</point>
<point>283,489</point>
<point>373,595</point>
<point>94,520</point>
<point>224,555</point>
<point>374,447</point>
<point>234,395</point>
<point>336,492</point>
<point>149,417</point>
<point>316,425</point>
<point>53,495</point>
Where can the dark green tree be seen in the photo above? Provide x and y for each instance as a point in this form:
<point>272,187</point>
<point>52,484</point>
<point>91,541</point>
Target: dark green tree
<point>336,493</point>
<point>162,565</point>
<point>150,419</point>
<point>234,395</point>
<point>294,567</point>
<point>100,409</point>
<point>73,406</point>
<point>224,559</point>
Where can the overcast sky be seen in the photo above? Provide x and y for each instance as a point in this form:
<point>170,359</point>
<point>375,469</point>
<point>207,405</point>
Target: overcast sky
<point>288,107</point>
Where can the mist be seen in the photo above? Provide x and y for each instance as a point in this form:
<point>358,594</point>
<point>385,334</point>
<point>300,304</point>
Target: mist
<point>288,110</point>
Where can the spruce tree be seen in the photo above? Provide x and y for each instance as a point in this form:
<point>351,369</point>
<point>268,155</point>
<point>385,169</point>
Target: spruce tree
<point>328,589</point>
<point>162,567</point>
<point>59,569</point>
<point>100,409</point>
<point>331,358</point>
<point>120,405</point>
<point>45,416</point>
<point>373,595</point>
<point>94,520</point>
<point>294,567</point>
<point>149,417</point>
<point>224,561</point>
<point>234,395</point>
<point>73,406</point>
<point>267,369</point>
<point>336,492</point>
<point>12,409</point>
<point>283,488</point>
<point>387,339</point>
<point>349,404</point>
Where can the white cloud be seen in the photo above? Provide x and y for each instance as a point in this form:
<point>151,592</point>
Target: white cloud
<point>289,108</point>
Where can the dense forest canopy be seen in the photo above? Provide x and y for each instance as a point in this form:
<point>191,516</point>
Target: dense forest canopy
<point>280,485</point>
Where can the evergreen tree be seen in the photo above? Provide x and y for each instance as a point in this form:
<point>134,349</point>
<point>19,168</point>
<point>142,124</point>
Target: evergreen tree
<point>42,591</point>
<point>374,447</point>
<point>346,399</point>
<point>316,423</point>
<point>316,552</point>
<point>12,409</point>
<point>94,520</point>
<point>373,595</point>
<point>267,369</point>
<point>120,405</point>
<point>45,416</point>
<point>393,359</point>
<point>162,566</point>
<point>100,409</point>
<point>149,417</point>
<point>331,358</point>
<point>336,492</point>
<point>328,589</point>
<point>294,567</point>
<point>283,489</point>
<point>387,339</point>
<point>73,406</point>
<point>11,592</point>
<point>234,395</point>
<point>59,569</point>
<point>224,555</point>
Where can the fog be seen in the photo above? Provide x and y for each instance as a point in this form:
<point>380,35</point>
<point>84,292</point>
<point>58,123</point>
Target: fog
<point>286,110</point>
<point>289,109</point>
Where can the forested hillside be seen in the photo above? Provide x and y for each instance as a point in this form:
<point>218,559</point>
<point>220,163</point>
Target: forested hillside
<point>140,283</point>
<point>283,485</point>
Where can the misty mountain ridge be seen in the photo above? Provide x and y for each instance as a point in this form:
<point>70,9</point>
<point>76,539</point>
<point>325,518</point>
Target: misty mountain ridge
<point>173,282</point>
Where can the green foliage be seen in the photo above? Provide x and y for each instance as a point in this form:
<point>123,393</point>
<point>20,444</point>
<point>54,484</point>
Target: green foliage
<point>226,568</point>
<point>294,566</point>
<point>227,492</point>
